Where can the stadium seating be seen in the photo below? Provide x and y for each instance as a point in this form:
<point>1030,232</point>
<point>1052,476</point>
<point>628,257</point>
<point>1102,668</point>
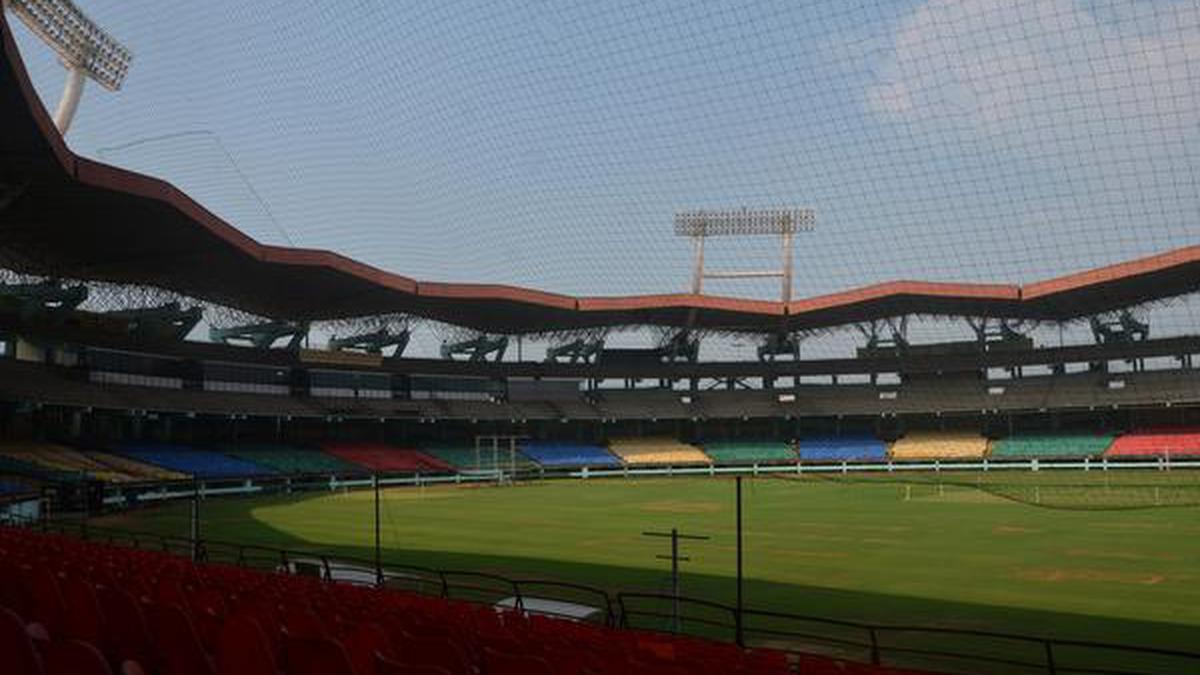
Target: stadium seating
<point>190,461</point>
<point>61,458</point>
<point>656,450</point>
<point>940,445</point>
<point>465,458</point>
<point>566,454</point>
<point>1157,442</point>
<point>749,452</point>
<point>385,458</point>
<point>848,448</point>
<point>24,469</point>
<point>176,618</point>
<point>1050,446</point>
<point>290,460</point>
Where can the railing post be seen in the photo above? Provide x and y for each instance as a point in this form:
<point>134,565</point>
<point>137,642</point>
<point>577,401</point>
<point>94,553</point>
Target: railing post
<point>875,660</point>
<point>1051,668</point>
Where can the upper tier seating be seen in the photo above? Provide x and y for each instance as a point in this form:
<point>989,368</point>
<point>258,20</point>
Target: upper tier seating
<point>286,459</point>
<point>174,617</point>
<point>1157,442</point>
<point>198,463</point>
<point>567,454</point>
<point>27,469</point>
<point>465,458</point>
<point>1050,446</point>
<point>380,457</point>
<point>848,448</point>
<point>940,445</point>
<point>750,452</point>
<point>661,450</point>
<point>134,469</point>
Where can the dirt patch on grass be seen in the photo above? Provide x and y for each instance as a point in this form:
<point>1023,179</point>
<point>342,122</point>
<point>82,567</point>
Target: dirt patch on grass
<point>1063,575</point>
<point>675,506</point>
<point>1119,555</point>
<point>1015,529</point>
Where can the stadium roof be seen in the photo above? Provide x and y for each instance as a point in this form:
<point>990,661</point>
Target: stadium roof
<point>74,217</point>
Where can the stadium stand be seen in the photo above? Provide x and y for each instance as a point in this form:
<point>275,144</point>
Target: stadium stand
<point>291,460</point>
<point>848,448</point>
<point>1050,446</point>
<point>940,445</point>
<point>17,467</point>
<point>749,452</point>
<point>139,471</point>
<point>61,458</point>
<point>656,450</point>
<point>380,457</point>
<point>1157,442</point>
<point>566,454</point>
<point>465,458</point>
<point>190,461</point>
<point>177,618</point>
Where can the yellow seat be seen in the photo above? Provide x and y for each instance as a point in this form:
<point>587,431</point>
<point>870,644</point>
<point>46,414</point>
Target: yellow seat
<point>644,451</point>
<point>940,445</point>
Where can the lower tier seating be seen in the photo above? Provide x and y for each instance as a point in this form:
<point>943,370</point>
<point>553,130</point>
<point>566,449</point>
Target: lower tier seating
<point>940,445</point>
<point>286,459</point>
<point>565,454</point>
<point>662,450</point>
<point>848,448</point>
<point>162,614</point>
<point>1157,442</point>
<point>191,461</point>
<point>60,458</point>
<point>465,458</point>
<point>1050,446</point>
<point>385,458</point>
<point>749,452</point>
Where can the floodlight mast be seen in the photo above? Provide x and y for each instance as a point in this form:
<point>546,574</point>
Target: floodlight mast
<point>85,49</point>
<point>785,222</point>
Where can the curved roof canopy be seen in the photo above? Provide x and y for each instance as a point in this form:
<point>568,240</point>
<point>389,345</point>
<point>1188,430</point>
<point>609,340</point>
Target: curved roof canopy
<point>66,215</point>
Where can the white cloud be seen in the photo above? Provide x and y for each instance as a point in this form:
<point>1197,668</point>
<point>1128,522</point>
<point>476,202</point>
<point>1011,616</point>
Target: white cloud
<point>1119,77</point>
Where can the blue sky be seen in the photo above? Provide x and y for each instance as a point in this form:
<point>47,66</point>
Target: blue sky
<point>548,143</point>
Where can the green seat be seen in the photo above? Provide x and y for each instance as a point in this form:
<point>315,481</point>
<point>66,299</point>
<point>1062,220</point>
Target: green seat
<point>750,452</point>
<point>286,459</point>
<point>464,457</point>
<point>1051,446</point>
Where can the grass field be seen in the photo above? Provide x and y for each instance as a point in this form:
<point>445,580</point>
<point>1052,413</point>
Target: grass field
<point>874,551</point>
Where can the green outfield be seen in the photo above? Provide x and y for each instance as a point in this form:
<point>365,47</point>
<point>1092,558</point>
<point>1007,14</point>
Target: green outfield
<point>929,552</point>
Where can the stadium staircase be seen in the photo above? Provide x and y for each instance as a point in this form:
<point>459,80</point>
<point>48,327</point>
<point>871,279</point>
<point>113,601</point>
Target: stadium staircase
<point>657,451</point>
<point>1050,446</point>
<point>750,452</point>
<point>1157,442</point>
<point>290,460</point>
<point>918,445</point>
<point>191,461</point>
<point>84,608</point>
<point>562,454</point>
<point>385,458</point>
<point>850,448</point>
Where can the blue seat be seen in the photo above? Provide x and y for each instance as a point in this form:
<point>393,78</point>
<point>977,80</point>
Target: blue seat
<point>857,447</point>
<point>561,454</point>
<point>199,463</point>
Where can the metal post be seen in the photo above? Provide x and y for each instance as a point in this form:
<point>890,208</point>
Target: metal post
<point>675,580</point>
<point>378,559</point>
<point>786,293</point>
<point>195,520</point>
<point>698,264</point>
<point>738,618</point>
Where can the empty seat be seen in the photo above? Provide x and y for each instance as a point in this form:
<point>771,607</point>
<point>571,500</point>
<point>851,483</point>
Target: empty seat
<point>660,451</point>
<point>75,657</point>
<point>844,448</point>
<point>566,454</point>
<point>940,445</point>
<point>19,655</point>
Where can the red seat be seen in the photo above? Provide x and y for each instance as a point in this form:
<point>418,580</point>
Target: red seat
<point>243,648</point>
<point>75,657</point>
<point>178,646</point>
<point>83,619</point>
<point>511,664</point>
<point>367,641</point>
<point>126,628</point>
<point>386,666</point>
<point>317,656</point>
<point>47,600</point>
<point>14,592</point>
<point>20,657</point>
<point>437,651</point>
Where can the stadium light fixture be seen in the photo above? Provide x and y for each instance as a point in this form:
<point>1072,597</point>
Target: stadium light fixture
<point>784,222</point>
<point>85,49</point>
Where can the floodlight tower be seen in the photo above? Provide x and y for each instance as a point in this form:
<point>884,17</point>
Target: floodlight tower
<point>85,49</point>
<point>785,222</point>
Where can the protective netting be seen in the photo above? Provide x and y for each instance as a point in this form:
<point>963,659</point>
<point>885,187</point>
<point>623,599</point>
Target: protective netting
<point>549,144</point>
<point>1095,489</point>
